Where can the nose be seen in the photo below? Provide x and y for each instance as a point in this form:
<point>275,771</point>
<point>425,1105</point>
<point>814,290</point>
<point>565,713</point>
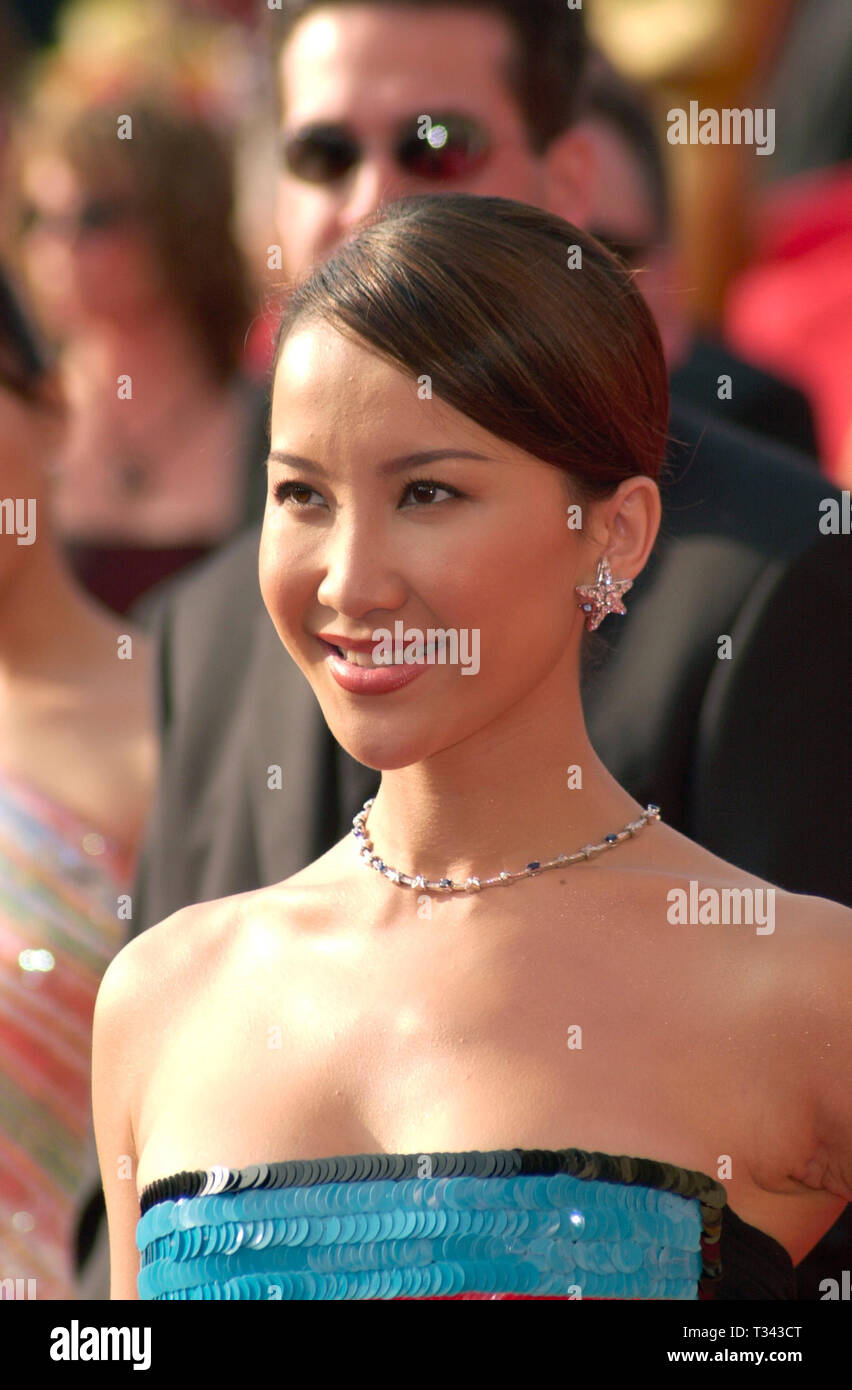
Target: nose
<point>360,577</point>
<point>376,180</point>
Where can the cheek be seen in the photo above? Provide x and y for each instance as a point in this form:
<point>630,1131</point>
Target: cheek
<point>530,561</point>
<point>269,568</point>
<point>516,590</point>
<point>306,219</point>
<point>117,270</point>
<point>287,581</point>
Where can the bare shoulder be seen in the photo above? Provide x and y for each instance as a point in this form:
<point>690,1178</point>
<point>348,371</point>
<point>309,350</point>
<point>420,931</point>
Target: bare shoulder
<point>779,962</point>
<point>818,920</point>
<point>183,950</point>
<point>814,949</point>
<point>695,881</point>
<point>157,960</point>
<point>774,950</point>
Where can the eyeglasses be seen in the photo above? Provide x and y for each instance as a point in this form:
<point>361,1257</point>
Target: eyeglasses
<point>96,215</point>
<point>447,148</point>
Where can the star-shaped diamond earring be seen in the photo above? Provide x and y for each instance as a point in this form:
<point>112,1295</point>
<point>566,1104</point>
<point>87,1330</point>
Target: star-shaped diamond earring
<point>602,597</point>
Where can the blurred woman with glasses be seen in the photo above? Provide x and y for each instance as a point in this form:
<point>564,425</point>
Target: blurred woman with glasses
<point>129,255</point>
<point>76,768</point>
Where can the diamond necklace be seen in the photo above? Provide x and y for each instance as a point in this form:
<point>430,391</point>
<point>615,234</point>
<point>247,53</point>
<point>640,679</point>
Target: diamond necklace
<point>473,885</point>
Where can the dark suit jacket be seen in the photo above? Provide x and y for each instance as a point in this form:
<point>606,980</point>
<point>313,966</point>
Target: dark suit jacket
<point>748,756</point>
<point>774,408</point>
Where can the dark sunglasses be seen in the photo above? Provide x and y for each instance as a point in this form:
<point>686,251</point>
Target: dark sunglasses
<point>441,150</point>
<point>96,215</point>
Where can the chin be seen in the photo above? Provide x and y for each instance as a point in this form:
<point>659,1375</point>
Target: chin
<point>384,742</point>
<point>381,751</point>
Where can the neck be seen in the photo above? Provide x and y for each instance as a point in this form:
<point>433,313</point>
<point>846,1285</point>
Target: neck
<point>49,627</point>
<point>503,797</point>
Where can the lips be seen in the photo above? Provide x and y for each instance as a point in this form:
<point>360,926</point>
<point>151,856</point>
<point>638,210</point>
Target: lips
<point>367,679</point>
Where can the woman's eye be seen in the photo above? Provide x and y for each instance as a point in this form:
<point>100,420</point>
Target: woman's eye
<point>298,493</point>
<point>423,490</point>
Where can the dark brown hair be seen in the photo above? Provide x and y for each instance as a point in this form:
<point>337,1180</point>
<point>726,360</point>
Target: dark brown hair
<point>479,295</point>
<point>543,72</point>
<point>177,170</point>
<point>23,363</point>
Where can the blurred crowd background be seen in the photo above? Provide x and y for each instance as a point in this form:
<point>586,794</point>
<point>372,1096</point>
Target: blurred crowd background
<point>156,260</point>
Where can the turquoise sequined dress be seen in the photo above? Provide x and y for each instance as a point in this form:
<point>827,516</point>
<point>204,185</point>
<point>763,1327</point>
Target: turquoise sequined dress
<point>514,1223</point>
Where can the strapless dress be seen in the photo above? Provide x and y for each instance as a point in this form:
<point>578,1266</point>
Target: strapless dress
<point>506,1223</point>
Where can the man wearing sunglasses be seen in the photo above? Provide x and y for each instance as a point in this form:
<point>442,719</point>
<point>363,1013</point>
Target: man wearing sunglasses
<point>748,756</point>
<point>381,100</point>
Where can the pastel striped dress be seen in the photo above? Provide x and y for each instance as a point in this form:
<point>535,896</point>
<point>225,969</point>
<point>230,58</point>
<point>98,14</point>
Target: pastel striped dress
<point>60,925</point>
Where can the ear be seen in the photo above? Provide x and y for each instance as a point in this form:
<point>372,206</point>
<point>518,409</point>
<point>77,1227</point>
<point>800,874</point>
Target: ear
<point>624,526</point>
<point>570,164</point>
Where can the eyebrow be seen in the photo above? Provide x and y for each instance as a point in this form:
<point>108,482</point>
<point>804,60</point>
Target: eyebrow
<point>390,466</point>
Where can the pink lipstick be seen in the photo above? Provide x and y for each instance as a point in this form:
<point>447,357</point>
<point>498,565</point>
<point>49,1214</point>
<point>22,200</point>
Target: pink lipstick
<point>368,680</point>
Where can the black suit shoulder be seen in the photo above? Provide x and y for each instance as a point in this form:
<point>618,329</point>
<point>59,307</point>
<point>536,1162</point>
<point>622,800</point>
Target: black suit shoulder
<point>224,583</point>
<point>719,479</point>
<point>775,409</point>
<point>203,624</point>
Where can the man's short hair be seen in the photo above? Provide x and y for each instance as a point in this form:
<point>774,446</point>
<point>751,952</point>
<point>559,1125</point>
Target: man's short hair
<point>544,71</point>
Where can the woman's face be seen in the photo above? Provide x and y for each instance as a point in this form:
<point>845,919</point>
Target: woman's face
<point>87,253</point>
<point>354,542</point>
